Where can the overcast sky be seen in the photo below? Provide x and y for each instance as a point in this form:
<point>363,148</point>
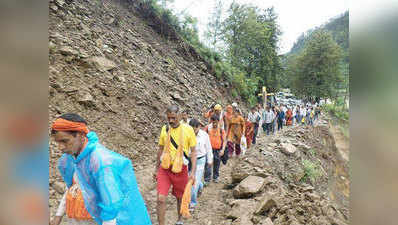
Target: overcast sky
<point>294,16</point>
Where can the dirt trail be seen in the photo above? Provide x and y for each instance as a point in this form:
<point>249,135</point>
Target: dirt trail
<point>214,202</point>
<point>325,203</point>
<point>212,205</point>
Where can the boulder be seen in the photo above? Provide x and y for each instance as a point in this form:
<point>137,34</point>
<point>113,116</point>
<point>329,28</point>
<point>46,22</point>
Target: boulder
<point>66,50</point>
<point>59,187</point>
<point>288,148</point>
<point>249,186</point>
<point>267,221</point>
<point>244,220</point>
<point>307,188</point>
<point>272,145</point>
<point>241,208</point>
<point>85,98</point>
<point>101,63</point>
<point>240,173</point>
<point>312,197</point>
<point>177,96</point>
<point>266,203</point>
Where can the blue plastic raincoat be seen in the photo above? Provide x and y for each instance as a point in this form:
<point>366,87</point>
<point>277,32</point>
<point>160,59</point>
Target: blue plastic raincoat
<point>107,182</point>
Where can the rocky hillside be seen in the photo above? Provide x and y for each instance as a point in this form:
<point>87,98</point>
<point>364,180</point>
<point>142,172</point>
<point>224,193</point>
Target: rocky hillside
<point>109,62</point>
<point>298,176</point>
<point>119,67</point>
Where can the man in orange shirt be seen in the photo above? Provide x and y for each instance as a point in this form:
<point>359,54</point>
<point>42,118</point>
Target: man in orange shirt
<point>218,142</point>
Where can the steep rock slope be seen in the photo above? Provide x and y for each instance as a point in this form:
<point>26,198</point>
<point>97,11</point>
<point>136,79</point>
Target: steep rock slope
<point>109,63</point>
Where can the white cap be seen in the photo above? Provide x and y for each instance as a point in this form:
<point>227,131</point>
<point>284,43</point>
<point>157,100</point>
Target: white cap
<point>235,104</point>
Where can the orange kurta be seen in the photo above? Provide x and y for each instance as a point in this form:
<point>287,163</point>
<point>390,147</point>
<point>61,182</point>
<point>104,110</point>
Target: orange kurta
<point>289,117</point>
<point>249,133</point>
<point>236,129</point>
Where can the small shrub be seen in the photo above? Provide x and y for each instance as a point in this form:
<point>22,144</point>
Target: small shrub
<point>234,93</point>
<point>337,111</point>
<point>311,170</point>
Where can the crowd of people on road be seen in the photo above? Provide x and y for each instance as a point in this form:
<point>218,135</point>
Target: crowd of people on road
<point>101,185</point>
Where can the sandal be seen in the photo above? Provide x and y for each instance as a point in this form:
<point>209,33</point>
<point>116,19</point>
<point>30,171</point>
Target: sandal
<point>179,223</point>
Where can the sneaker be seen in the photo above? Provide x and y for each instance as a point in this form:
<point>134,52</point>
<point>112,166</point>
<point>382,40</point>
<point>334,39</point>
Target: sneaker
<point>206,183</point>
<point>215,180</point>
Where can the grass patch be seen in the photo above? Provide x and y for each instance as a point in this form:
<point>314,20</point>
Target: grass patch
<point>337,111</point>
<point>312,152</point>
<point>311,171</point>
<point>345,131</point>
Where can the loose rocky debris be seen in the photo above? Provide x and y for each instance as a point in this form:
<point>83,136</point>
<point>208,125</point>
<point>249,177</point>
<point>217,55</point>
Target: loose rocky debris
<point>286,198</point>
<point>109,64</point>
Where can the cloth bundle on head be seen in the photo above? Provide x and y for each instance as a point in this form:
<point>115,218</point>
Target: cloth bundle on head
<point>66,125</point>
<point>217,107</point>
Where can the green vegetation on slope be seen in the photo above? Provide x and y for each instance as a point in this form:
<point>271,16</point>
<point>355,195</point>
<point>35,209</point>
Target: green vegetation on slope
<point>247,38</point>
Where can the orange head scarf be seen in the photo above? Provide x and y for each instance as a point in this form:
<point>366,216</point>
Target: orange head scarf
<point>66,125</point>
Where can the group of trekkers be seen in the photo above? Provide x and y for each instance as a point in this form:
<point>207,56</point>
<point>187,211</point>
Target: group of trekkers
<point>101,187</point>
<point>275,117</point>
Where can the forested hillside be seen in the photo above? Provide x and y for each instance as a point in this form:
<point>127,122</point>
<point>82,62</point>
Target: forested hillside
<point>317,66</point>
<point>339,29</point>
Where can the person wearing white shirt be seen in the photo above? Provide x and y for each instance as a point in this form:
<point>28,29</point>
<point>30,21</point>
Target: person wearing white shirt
<point>243,145</point>
<point>184,117</point>
<point>303,113</point>
<point>254,117</point>
<point>284,109</point>
<point>260,111</point>
<point>274,126</point>
<point>308,116</point>
<point>203,151</point>
<point>294,114</point>
<point>268,117</point>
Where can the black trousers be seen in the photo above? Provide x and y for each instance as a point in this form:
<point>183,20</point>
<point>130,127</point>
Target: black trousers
<point>216,166</point>
<point>280,124</point>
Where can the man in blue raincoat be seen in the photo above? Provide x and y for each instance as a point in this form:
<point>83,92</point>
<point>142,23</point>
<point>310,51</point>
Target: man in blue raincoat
<point>101,185</point>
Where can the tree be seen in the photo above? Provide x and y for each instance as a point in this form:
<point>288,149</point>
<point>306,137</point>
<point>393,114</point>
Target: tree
<point>164,3</point>
<point>251,36</point>
<point>317,70</point>
<point>213,32</point>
